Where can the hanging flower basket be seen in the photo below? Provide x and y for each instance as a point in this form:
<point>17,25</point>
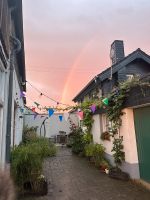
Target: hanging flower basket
<point>105,136</point>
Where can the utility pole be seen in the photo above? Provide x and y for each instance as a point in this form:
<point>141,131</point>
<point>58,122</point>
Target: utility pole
<point>15,48</point>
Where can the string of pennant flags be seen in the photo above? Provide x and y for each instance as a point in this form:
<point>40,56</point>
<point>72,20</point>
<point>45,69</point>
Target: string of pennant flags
<point>51,110</point>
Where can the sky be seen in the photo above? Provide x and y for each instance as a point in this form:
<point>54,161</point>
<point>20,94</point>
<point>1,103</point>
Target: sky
<point>67,42</point>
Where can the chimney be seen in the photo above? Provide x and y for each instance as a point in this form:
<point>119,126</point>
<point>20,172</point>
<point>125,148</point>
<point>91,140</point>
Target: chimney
<point>117,51</point>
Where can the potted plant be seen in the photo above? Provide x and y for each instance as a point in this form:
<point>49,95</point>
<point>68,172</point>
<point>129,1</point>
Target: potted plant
<point>104,166</point>
<point>105,136</point>
<point>89,151</point>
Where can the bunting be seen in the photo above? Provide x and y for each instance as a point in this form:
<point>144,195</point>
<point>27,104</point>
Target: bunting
<point>60,118</point>
<point>50,112</point>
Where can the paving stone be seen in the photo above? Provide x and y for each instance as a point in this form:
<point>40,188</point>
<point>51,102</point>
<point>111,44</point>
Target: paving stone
<point>73,178</point>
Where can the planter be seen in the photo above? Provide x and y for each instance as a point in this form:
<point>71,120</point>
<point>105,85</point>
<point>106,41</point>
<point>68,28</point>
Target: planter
<point>116,173</point>
<point>40,188</point>
<point>91,160</point>
<point>105,136</point>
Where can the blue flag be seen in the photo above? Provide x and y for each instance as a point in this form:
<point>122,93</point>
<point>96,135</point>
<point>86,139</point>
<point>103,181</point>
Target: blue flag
<point>50,112</point>
<point>60,118</point>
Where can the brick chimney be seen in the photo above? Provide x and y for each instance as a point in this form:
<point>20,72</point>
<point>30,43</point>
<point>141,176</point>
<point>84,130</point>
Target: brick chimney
<point>117,51</point>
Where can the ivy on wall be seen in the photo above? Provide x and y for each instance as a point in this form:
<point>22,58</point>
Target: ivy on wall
<point>114,113</point>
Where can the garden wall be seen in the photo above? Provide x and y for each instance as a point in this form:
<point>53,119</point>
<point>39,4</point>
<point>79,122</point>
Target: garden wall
<point>52,124</point>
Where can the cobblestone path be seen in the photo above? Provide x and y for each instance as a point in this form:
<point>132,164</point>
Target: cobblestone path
<point>73,178</point>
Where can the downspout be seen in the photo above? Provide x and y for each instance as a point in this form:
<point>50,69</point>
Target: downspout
<point>16,47</point>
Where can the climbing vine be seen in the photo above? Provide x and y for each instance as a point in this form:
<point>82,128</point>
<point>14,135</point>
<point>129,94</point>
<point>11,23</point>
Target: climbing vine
<point>114,113</point>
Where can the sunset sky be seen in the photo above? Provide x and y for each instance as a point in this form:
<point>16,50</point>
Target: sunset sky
<point>67,42</point>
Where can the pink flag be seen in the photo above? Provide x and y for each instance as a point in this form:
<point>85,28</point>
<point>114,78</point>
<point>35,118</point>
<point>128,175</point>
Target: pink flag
<point>80,114</point>
<point>33,109</point>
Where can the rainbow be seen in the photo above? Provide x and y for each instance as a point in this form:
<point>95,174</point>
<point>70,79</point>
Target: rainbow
<point>73,68</point>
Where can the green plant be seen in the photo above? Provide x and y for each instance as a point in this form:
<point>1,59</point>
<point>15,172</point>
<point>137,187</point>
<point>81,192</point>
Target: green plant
<point>98,154</point>
<point>26,164</point>
<point>29,134</point>
<point>88,119</point>
<point>78,143</point>
<point>46,148</point>
<point>104,164</point>
<point>89,150</point>
<point>88,138</point>
<point>26,161</point>
<point>119,155</point>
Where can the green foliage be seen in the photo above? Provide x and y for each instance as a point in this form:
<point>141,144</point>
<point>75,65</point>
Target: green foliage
<point>88,120</point>
<point>27,159</point>
<point>45,147</point>
<point>78,142</point>
<point>88,138</point>
<point>105,164</point>
<point>89,150</point>
<point>114,113</point>
<point>119,155</point>
<point>26,164</point>
<point>29,134</point>
<point>98,154</point>
<point>96,151</point>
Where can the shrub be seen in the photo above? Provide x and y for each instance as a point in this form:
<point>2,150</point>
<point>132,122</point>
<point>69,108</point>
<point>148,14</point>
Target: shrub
<point>89,150</point>
<point>119,155</point>
<point>29,134</point>
<point>45,147</point>
<point>78,142</point>
<point>88,138</point>
<point>26,161</point>
<point>26,164</point>
<point>98,154</point>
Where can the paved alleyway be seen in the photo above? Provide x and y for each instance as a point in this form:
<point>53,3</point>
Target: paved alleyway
<point>73,178</point>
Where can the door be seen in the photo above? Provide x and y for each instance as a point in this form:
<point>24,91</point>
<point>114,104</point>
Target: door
<point>142,129</point>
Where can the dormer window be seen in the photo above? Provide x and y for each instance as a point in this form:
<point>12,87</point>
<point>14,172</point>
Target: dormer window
<point>130,76</point>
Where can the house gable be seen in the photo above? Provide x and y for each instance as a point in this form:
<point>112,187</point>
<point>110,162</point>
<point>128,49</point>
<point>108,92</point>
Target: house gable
<point>138,62</point>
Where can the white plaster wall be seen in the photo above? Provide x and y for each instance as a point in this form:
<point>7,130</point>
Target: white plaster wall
<point>17,121</point>
<point>96,129</point>
<point>96,132</point>
<point>4,75</point>
<point>52,124</point>
<point>127,130</point>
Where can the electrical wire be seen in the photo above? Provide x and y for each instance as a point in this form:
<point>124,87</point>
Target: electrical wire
<point>43,94</point>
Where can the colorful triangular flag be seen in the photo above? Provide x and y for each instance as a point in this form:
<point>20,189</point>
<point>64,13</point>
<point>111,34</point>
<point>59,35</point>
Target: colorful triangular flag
<point>22,94</point>
<point>35,115</point>
<point>80,114</point>
<point>105,101</point>
<point>50,112</point>
<point>93,108</point>
<point>60,118</point>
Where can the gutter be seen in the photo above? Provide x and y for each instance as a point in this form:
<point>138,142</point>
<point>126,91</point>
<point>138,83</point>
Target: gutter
<point>16,47</point>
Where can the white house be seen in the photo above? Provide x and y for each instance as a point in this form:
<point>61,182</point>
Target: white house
<point>135,121</point>
<point>12,76</point>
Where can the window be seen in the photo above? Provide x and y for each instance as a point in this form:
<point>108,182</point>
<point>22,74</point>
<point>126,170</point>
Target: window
<point>129,76</point>
<point>105,123</point>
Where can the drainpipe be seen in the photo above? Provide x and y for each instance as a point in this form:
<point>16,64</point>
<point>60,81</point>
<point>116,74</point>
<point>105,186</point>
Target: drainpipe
<point>43,124</point>
<point>16,47</point>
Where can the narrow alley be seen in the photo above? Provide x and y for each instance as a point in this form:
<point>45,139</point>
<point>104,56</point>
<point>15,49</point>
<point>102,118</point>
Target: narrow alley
<point>72,178</point>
